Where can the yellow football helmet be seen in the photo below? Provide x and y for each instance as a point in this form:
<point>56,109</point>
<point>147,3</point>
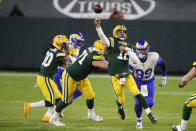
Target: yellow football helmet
<point>99,46</point>
<point>116,29</point>
<point>60,41</point>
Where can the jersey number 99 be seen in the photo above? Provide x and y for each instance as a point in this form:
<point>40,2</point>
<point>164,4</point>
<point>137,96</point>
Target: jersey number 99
<point>140,74</point>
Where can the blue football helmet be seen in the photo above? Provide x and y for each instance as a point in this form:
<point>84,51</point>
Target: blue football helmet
<point>143,46</point>
<point>77,39</point>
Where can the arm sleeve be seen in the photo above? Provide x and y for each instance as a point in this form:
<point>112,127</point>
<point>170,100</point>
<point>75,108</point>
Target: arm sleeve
<point>130,67</point>
<point>102,36</point>
<point>163,66</point>
<point>132,56</point>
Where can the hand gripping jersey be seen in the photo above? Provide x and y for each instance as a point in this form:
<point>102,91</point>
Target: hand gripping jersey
<point>51,62</point>
<point>118,60</point>
<point>145,71</point>
<point>82,67</point>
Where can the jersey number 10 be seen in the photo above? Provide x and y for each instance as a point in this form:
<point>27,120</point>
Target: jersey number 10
<point>48,59</point>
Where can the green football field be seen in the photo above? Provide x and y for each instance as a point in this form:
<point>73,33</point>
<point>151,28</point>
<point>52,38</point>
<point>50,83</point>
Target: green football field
<point>17,88</point>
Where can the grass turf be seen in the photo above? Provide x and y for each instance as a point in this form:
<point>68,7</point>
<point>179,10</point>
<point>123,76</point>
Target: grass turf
<point>17,88</point>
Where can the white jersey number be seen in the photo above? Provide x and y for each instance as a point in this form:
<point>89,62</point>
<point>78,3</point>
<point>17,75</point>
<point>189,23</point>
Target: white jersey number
<point>123,56</point>
<point>48,59</point>
<point>83,55</point>
<point>140,74</point>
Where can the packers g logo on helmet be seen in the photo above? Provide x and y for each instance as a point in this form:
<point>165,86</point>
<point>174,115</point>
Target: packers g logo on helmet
<point>59,40</point>
<point>116,29</point>
<point>99,46</point>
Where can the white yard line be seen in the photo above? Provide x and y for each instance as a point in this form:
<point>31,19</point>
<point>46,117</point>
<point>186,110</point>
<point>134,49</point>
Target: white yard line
<point>28,74</point>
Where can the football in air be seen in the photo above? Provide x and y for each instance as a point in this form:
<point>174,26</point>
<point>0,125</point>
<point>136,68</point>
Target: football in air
<point>97,8</point>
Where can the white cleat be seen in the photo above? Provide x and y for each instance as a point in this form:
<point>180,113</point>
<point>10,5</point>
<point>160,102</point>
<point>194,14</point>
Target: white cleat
<point>56,122</point>
<point>176,128</point>
<point>139,125</point>
<point>61,114</point>
<point>95,117</point>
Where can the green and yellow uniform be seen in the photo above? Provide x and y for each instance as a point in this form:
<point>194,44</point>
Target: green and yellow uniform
<point>118,68</point>
<point>75,76</point>
<point>191,102</point>
<point>47,71</point>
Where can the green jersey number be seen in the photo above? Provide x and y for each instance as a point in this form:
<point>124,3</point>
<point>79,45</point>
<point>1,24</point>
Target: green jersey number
<point>84,54</point>
<point>123,56</point>
<point>48,59</point>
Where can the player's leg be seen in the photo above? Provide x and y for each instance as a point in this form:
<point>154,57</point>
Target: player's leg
<point>76,94</point>
<point>138,112</point>
<point>131,85</point>
<point>186,113</point>
<point>58,78</point>
<point>57,97</point>
<point>120,97</point>
<point>87,91</point>
<point>47,92</point>
<point>68,88</point>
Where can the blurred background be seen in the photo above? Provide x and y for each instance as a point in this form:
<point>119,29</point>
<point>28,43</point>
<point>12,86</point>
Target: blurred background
<point>27,25</point>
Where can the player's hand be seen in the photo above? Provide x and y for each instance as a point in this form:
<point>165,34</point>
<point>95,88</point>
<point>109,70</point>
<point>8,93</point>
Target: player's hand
<point>122,48</point>
<point>163,81</point>
<point>97,22</point>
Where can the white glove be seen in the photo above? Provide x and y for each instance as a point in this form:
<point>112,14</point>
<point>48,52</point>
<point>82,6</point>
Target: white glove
<point>163,82</point>
<point>122,81</point>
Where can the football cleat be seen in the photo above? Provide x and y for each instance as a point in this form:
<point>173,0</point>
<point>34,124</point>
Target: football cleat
<point>55,121</point>
<point>27,108</point>
<point>176,128</point>
<point>61,114</point>
<point>152,118</point>
<point>121,112</point>
<point>139,124</point>
<point>45,118</point>
<point>93,116</point>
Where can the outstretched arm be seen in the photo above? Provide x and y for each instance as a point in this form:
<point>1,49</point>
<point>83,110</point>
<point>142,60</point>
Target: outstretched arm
<point>132,56</point>
<point>190,75</point>
<point>100,32</point>
<point>101,64</point>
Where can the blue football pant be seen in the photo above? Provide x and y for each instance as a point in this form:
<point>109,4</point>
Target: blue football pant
<point>149,98</point>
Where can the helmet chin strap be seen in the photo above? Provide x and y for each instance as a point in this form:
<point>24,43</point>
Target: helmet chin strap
<point>121,38</point>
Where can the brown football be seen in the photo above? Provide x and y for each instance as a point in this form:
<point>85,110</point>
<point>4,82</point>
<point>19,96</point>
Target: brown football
<point>97,8</point>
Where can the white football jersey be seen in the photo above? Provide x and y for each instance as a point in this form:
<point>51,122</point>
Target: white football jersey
<point>145,71</point>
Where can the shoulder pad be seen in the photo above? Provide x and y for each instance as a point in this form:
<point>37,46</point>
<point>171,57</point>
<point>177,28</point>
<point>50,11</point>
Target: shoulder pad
<point>72,51</point>
<point>194,63</point>
<point>154,55</point>
<point>111,41</point>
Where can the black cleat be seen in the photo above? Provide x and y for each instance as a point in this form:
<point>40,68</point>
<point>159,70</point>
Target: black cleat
<point>152,118</point>
<point>121,112</point>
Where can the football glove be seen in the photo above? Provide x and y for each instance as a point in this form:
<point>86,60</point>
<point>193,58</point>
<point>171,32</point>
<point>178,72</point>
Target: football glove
<point>163,82</point>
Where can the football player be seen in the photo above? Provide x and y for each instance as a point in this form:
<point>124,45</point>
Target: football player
<point>119,69</point>
<point>143,74</point>
<point>54,57</point>
<point>189,104</point>
<point>76,40</point>
<point>76,76</point>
